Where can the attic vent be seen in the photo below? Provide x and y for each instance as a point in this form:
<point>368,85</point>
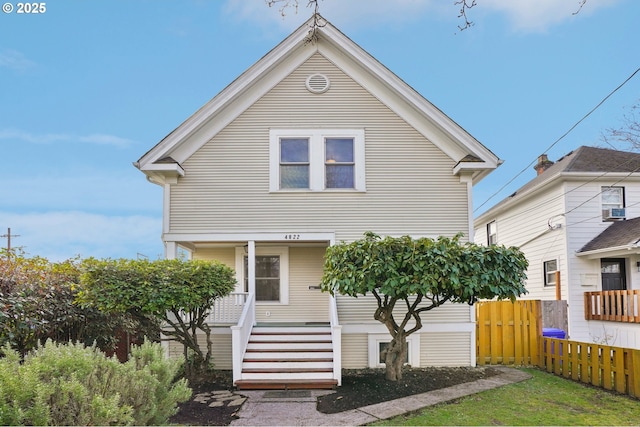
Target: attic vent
<point>317,83</point>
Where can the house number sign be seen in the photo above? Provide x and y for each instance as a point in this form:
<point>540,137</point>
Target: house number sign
<point>292,237</point>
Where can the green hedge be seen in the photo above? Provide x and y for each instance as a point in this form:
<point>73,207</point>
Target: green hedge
<point>69,384</point>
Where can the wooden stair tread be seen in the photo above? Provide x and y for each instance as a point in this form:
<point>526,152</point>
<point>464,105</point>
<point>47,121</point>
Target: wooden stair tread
<point>285,384</point>
<point>288,350</point>
<point>284,370</point>
<point>288,360</point>
<point>252,341</point>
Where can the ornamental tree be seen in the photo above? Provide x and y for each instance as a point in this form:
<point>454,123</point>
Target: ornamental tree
<point>176,292</point>
<point>410,276</point>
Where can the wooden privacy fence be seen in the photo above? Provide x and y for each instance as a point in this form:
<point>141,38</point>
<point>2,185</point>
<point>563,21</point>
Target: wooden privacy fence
<point>508,333</point>
<point>612,368</point>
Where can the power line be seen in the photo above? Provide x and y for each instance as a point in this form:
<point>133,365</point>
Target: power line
<point>561,137</point>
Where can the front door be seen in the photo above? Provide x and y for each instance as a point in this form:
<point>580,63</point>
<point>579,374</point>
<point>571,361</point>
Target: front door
<point>614,277</point>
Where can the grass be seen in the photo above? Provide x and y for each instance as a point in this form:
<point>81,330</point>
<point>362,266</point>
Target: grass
<point>543,400</point>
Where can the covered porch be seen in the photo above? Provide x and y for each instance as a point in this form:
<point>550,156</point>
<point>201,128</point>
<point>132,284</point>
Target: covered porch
<point>285,332</point>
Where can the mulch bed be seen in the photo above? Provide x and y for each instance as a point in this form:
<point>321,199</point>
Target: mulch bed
<point>359,388</point>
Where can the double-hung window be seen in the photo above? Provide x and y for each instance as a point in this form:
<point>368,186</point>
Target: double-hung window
<point>317,160</point>
<point>550,269</point>
<point>492,236</point>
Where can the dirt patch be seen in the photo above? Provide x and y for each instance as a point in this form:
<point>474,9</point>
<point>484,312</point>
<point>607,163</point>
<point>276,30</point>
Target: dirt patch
<point>359,388</point>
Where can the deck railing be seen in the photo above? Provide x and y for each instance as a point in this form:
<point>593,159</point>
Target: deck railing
<point>614,306</point>
<point>228,310</point>
<point>336,339</point>
<point>240,334</point>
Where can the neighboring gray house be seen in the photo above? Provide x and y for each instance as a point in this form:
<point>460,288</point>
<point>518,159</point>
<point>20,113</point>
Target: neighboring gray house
<point>314,144</point>
<point>579,217</point>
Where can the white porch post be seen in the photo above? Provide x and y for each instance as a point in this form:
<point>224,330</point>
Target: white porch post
<point>251,263</point>
<point>170,250</point>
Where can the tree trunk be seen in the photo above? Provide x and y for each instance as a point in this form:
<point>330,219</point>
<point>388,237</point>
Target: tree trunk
<point>395,356</point>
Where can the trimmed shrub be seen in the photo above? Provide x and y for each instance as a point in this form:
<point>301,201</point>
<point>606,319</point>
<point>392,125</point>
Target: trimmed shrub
<point>68,384</point>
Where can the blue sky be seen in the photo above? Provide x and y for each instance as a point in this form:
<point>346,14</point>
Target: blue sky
<point>87,87</point>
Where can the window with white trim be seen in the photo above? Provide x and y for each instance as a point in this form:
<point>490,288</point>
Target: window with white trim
<point>316,160</point>
<point>492,236</point>
<point>379,342</point>
<point>271,271</point>
<point>550,269</point>
<point>612,198</point>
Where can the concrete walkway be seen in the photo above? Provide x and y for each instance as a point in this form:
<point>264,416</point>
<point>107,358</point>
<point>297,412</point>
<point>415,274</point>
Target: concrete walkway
<point>269,408</point>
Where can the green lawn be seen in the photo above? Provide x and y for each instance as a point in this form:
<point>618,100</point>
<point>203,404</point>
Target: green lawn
<point>543,400</point>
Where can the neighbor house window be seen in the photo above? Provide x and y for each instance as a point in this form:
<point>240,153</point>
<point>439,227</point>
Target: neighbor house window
<point>492,237</point>
<point>612,198</point>
<point>316,160</point>
<point>271,271</point>
<point>550,269</point>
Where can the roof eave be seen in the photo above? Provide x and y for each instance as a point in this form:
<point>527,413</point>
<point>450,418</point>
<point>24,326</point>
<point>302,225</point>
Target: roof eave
<point>610,252</point>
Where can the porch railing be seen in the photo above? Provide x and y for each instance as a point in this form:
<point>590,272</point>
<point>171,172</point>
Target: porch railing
<point>240,334</point>
<point>615,306</point>
<point>228,310</point>
<point>336,338</point>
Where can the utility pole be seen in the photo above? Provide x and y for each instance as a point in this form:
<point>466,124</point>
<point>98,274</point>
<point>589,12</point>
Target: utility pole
<point>9,236</point>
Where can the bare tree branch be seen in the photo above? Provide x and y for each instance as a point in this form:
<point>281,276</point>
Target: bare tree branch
<point>580,4</point>
<point>464,7</point>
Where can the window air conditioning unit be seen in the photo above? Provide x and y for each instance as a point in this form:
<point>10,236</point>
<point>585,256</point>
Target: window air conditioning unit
<point>616,213</point>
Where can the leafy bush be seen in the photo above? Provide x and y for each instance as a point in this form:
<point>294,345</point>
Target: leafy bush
<point>68,384</point>
<point>37,302</point>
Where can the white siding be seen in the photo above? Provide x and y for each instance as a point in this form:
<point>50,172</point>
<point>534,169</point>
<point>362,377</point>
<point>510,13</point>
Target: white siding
<point>527,226</point>
<point>410,186</point>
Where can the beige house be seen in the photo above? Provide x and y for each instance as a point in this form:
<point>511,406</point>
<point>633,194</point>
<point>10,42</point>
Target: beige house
<point>578,223</point>
<point>314,144</point>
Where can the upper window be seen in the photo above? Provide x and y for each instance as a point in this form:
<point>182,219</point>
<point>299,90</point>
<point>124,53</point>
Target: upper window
<point>317,160</point>
<point>550,269</point>
<point>492,237</point>
<point>612,202</point>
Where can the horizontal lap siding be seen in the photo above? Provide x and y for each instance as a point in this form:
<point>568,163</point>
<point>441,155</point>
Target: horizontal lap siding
<point>410,186</point>
<point>446,349</point>
<point>221,350</point>
<point>355,351</point>
<point>361,310</point>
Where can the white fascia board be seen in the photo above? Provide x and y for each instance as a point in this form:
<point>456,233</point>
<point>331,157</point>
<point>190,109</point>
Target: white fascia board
<point>618,251</point>
<point>250,79</point>
<point>243,236</point>
<point>402,98</point>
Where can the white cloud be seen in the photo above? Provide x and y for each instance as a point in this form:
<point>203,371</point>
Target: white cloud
<point>523,15</point>
<point>51,138</point>
<point>60,235</point>
<point>539,15</point>
<point>14,60</point>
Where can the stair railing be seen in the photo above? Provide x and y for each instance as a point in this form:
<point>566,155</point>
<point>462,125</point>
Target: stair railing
<point>240,334</point>
<point>336,339</point>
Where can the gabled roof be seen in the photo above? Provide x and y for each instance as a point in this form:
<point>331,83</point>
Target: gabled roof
<point>620,235</point>
<point>582,161</point>
<point>471,157</point>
